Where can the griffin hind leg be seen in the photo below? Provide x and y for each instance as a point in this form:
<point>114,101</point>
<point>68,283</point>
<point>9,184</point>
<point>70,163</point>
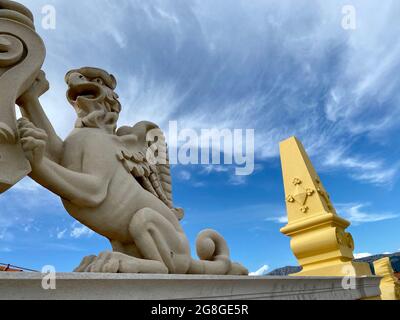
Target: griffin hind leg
<point>158,239</point>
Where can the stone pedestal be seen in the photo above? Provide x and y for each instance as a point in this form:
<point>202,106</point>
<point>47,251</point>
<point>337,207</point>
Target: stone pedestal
<point>171,287</point>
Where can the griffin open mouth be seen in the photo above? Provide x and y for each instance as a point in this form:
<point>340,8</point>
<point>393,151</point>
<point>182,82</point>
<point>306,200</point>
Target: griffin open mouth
<point>88,91</point>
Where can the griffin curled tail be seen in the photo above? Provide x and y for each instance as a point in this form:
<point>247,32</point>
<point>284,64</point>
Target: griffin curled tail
<point>214,255</point>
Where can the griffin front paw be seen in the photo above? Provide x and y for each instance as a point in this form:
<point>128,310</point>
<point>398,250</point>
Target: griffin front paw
<point>106,262</point>
<point>33,141</point>
<point>39,87</point>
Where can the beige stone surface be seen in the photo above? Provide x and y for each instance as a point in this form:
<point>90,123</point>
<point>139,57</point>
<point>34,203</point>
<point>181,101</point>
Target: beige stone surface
<point>81,286</point>
<point>22,53</point>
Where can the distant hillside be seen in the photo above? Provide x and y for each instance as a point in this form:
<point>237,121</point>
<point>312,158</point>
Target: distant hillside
<point>395,259</point>
<point>285,271</point>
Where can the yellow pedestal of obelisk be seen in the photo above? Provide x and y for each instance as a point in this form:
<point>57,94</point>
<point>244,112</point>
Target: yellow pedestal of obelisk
<point>390,285</point>
<point>318,235</point>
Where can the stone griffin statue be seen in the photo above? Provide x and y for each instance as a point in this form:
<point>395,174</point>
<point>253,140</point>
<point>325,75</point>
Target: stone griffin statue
<point>111,181</point>
<point>116,182</point>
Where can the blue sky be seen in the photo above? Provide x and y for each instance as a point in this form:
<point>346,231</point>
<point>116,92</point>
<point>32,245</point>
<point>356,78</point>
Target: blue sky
<point>280,67</point>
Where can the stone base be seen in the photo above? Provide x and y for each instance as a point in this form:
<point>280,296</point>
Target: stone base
<point>76,286</point>
<point>355,269</point>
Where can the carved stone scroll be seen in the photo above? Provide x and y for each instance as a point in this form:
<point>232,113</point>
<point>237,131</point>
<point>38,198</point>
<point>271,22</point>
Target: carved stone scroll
<point>22,54</point>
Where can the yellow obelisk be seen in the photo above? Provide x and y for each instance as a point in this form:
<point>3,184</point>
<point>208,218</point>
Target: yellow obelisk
<point>318,235</point>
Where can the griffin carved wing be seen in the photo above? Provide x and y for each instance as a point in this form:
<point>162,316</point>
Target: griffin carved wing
<point>145,156</point>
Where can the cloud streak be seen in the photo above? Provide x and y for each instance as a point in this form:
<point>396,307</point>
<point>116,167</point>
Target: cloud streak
<point>281,220</point>
<point>357,214</point>
<point>80,231</point>
<point>362,255</point>
<point>363,169</point>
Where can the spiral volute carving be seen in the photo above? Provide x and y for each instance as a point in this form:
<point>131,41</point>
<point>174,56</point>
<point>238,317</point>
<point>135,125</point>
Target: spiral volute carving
<point>11,50</point>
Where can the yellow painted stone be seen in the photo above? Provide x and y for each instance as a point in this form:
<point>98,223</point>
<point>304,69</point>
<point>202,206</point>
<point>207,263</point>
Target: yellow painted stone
<point>390,285</point>
<point>318,235</point>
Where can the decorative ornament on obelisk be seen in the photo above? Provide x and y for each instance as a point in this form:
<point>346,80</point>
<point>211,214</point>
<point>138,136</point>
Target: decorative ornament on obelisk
<point>22,54</point>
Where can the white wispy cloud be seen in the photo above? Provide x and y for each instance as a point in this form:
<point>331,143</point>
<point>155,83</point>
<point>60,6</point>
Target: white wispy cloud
<point>184,175</point>
<point>79,231</point>
<point>366,254</point>
<point>361,168</point>
<point>61,234</point>
<point>260,272</point>
<point>362,255</point>
<point>199,184</point>
<point>235,180</point>
<point>356,213</point>
<point>281,220</point>
<point>383,176</point>
<point>215,168</point>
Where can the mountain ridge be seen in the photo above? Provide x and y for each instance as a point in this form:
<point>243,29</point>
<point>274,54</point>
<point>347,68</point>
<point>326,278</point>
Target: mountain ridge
<point>394,257</point>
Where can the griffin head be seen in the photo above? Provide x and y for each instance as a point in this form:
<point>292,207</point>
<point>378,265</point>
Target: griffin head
<point>91,93</point>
